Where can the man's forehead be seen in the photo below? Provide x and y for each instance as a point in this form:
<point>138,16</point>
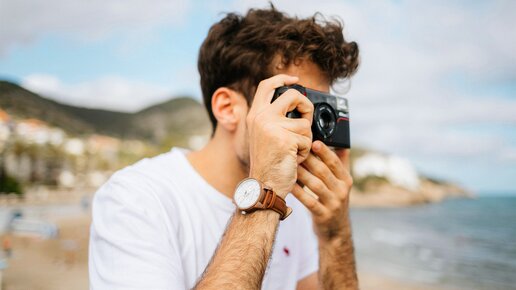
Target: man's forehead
<point>310,75</point>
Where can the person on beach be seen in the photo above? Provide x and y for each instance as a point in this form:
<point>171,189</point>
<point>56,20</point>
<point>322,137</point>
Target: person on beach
<point>7,247</point>
<point>169,222</point>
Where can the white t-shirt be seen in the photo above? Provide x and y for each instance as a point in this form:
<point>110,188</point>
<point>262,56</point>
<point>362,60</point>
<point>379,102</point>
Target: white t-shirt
<point>156,225</point>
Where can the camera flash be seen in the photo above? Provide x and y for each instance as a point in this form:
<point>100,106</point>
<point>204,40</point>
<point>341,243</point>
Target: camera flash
<point>342,104</point>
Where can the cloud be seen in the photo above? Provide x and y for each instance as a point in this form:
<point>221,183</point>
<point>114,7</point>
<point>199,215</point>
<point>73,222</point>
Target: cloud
<point>107,92</point>
<point>428,68</point>
<point>23,21</point>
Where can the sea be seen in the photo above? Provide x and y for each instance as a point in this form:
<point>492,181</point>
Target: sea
<point>456,244</point>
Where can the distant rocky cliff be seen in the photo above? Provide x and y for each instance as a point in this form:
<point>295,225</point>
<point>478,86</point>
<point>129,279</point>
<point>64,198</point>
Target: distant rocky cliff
<point>387,180</point>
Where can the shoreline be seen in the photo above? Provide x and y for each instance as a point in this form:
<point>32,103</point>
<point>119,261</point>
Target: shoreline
<point>62,263</point>
<point>65,262</point>
<point>383,196</point>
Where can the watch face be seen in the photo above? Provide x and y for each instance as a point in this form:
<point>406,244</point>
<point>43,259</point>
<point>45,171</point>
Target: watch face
<point>247,193</point>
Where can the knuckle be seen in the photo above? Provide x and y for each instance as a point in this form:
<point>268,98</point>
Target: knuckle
<point>319,170</point>
<point>343,196</point>
<point>341,184</point>
<point>307,142</point>
<point>303,150</point>
<point>344,188</point>
<point>334,163</point>
<point>306,124</point>
<point>309,137</point>
<point>311,203</point>
<point>263,83</point>
<point>317,185</point>
<point>290,94</point>
<point>334,206</point>
<point>310,105</point>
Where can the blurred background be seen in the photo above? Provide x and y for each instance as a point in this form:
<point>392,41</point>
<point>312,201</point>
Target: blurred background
<point>88,87</point>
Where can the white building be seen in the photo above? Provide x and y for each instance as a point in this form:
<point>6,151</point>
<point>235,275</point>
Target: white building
<point>74,146</point>
<point>396,170</point>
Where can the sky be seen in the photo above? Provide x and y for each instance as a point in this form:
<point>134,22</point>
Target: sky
<point>436,83</point>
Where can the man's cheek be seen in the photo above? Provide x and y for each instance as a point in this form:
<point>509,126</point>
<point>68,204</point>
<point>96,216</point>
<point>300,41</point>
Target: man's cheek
<point>243,151</point>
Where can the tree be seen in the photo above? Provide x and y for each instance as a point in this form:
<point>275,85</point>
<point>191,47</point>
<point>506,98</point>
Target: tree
<point>9,184</point>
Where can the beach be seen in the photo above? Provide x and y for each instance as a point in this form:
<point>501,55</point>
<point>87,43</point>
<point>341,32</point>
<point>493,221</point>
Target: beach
<point>46,265</point>
<point>61,262</point>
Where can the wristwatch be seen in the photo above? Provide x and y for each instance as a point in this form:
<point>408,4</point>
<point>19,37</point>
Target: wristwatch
<point>251,195</point>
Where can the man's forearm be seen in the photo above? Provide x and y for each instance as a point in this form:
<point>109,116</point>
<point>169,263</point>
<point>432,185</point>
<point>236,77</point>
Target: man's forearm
<point>243,253</point>
<point>337,269</point>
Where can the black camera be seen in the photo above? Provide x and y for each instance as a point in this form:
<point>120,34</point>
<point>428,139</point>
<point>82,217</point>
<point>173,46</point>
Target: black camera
<point>331,116</point>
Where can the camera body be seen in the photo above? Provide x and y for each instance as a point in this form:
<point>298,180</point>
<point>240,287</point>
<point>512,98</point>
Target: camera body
<point>331,116</point>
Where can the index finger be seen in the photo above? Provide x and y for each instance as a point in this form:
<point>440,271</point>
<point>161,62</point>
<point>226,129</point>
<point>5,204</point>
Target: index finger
<point>292,99</point>
<point>344,156</point>
<point>265,89</point>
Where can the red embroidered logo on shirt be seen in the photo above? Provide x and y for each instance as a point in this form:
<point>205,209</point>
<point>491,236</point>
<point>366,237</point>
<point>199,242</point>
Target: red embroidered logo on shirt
<point>287,251</point>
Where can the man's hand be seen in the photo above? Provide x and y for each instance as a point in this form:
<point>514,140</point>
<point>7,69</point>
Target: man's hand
<point>277,144</point>
<point>326,173</point>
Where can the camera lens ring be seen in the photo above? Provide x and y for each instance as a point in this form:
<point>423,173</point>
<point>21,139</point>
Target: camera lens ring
<point>325,120</point>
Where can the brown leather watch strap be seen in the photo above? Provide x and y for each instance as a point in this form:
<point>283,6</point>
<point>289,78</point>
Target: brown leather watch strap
<point>276,203</point>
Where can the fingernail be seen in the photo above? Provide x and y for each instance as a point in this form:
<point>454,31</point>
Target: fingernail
<point>316,146</point>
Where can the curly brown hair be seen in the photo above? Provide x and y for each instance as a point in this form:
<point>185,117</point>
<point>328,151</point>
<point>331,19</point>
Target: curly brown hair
<point>240,51</point>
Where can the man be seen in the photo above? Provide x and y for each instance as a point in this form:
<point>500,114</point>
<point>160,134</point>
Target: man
<point>169,222</point>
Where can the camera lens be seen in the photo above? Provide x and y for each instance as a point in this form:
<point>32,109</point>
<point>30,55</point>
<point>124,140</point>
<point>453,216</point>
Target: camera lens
<point>324,118</point>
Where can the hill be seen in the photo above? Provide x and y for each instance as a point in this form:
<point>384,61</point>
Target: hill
<point>181,116</point>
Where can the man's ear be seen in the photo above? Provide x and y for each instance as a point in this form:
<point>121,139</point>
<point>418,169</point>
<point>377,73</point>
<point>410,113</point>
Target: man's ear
<point>229,108</point>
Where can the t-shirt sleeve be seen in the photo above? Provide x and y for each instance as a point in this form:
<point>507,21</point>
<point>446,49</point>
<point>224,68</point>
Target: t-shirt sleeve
<point>309,260</point>
<point>130,245</point>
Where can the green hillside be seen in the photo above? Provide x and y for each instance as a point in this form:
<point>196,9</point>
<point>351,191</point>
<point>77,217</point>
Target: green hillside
<point>177,117</point>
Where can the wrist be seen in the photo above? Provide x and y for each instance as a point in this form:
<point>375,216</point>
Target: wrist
<point>268,215</point>
<point>336,239</point>
<point>335,232</point>
<point>253,195</point>
<point>270,183</point>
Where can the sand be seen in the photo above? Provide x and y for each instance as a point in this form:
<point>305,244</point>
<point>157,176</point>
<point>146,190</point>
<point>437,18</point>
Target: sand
<point>57,264</point>
<point>62,264</point>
